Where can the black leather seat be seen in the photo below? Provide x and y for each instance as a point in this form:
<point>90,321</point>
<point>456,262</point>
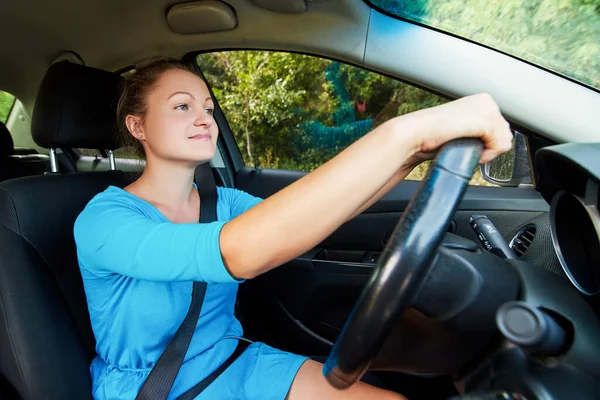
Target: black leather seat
<point>15,163</point>
<point>46,342</point>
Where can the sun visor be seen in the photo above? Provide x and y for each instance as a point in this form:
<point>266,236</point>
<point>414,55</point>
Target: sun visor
<point>201,17</point>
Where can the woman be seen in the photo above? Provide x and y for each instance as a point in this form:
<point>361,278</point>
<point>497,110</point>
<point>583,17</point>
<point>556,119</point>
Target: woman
<point>141,247</point>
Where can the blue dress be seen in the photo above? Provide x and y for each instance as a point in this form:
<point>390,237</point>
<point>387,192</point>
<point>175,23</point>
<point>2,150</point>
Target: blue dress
<point>137,270</point>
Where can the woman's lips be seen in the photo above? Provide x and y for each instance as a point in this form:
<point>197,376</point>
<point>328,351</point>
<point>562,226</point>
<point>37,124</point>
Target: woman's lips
<point>201,136</point>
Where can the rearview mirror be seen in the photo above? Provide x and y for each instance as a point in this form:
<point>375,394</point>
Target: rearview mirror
<point>511,168</point>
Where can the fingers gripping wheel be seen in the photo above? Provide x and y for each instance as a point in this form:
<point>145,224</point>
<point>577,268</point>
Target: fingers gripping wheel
<point>404,262</point>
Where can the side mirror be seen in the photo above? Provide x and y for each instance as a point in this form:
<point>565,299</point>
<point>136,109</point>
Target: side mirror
<point>511,168</point>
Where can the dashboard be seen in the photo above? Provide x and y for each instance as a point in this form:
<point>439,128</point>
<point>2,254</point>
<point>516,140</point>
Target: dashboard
<point>568,177</point>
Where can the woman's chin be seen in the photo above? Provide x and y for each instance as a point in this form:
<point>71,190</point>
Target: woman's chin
<point>200,153</point>
<point>199,158</point>
<point>189,156</point>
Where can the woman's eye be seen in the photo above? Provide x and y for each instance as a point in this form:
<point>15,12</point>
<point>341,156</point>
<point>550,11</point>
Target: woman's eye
<point>182,107</point>
<point>209,111</point>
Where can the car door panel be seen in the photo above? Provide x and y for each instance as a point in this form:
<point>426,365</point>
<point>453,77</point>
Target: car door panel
<point>304,303</point>
<point>265,182</point>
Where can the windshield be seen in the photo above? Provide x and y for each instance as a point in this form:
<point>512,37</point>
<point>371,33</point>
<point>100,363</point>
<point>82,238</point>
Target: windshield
<point>560,35</point>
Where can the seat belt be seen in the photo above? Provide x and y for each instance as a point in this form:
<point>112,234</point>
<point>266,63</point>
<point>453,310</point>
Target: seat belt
<point>159,382</point>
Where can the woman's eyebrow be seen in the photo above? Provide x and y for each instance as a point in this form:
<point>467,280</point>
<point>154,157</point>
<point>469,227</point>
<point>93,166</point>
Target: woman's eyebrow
<point>189,94</point>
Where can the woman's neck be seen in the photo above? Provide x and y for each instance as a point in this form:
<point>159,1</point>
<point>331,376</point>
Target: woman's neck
<point>165,184</point>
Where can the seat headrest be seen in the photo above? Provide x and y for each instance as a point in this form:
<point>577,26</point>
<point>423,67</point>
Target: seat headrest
<point>7,145</point>
<point>76,106</point>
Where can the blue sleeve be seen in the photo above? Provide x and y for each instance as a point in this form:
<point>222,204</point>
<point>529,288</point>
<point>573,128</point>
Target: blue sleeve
<point>238,200</point>
<point>116,238</point>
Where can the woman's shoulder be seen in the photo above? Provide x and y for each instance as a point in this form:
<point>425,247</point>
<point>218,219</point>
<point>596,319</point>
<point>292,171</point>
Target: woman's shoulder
<point>118,200</point>
<point>233,196</point>
<point>115,200</point>
<point>235,200</point>
<point>115,196</point>
<point>225,194</point>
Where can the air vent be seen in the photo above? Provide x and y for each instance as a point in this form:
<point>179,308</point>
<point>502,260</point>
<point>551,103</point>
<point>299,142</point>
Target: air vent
<point>520,243</point>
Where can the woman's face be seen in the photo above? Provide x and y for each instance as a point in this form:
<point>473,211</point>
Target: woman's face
<point>179,123</point>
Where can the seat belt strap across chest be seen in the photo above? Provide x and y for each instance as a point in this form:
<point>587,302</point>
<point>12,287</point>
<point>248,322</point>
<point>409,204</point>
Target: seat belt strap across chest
<point>159,382</point>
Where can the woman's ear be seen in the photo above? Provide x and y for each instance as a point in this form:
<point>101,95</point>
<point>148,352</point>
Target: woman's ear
<point>135,126</point>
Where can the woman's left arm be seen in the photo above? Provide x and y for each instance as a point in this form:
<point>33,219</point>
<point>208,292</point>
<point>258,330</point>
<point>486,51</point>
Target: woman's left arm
<point>398,177</point>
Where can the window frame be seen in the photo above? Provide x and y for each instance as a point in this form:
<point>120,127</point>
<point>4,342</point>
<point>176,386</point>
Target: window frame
<point>226,145</point>
<point>234,160</point>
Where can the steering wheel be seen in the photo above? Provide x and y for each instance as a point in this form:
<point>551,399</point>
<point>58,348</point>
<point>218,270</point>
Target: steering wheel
<point>404,262</point>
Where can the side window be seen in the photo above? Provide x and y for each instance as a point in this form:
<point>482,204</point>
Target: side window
<point>293,111</point>
<point>7,101</point>
<point>17,120</point>
<point>127,152</point>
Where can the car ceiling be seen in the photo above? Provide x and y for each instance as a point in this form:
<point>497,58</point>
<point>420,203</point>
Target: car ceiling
<point>112,34</point>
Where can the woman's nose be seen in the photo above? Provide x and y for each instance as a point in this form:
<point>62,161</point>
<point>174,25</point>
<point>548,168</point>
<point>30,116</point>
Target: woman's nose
<point>203,118</point>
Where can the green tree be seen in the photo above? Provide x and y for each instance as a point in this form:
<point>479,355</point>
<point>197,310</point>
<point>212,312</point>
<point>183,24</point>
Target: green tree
<point>6,102</point>
<point>266,96</point>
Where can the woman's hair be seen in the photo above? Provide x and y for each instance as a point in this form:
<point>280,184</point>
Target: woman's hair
<point>133,99</point>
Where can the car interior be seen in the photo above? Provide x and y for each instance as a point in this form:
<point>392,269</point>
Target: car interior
<point>17,162</point>
<point>440,290</point>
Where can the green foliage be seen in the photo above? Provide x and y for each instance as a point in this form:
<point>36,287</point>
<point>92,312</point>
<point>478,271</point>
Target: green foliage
<point>266,96</point>
<point>562,35</point>
<point>296,112</point>
<point>6,102</point>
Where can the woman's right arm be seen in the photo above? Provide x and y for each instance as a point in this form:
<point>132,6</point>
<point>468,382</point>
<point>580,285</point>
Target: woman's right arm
<point>303,214</point>
<point>112,237</point>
